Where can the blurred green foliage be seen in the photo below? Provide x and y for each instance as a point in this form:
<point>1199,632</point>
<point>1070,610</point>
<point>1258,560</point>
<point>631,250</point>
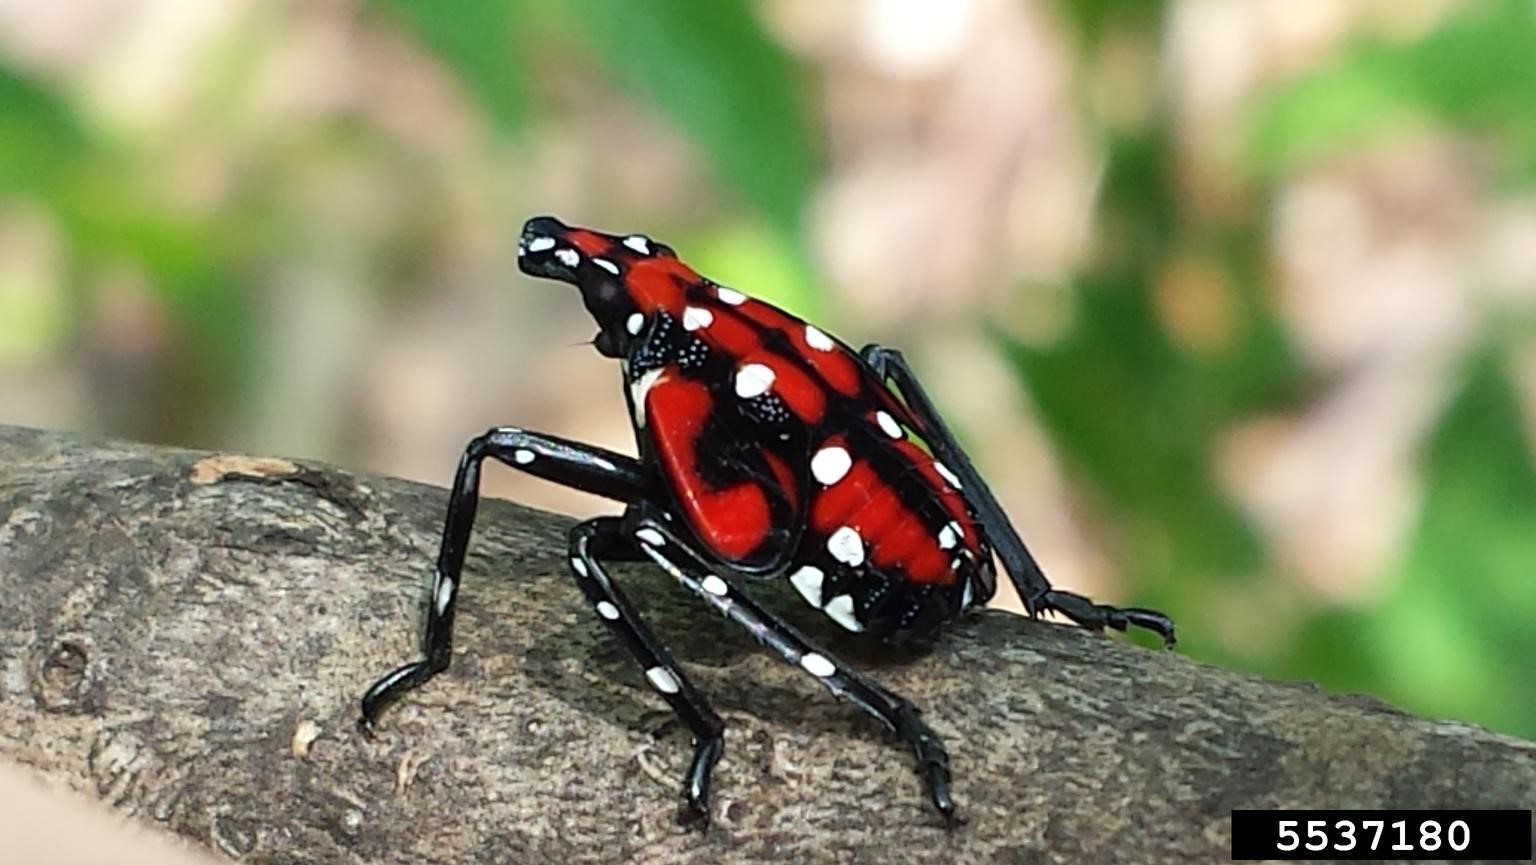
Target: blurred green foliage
<point>102,199</point>
<point>39,137</point>
<point>485,43</point>
<point>1477,71</point>
<point>1135,413</point>
<point>1455,637</point>
<point>725,84</point>
<point>708,67</point>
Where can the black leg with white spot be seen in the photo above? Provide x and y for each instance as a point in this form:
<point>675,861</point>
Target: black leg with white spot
<point>894,711</point>
<point>572,464</point>
<point>1034,589</point>
<point>606,538</point>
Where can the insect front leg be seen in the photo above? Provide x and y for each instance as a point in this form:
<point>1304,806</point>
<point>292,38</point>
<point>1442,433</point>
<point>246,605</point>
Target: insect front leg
<point>1034,589</point>
<point>605,538</point>
<point>571,464</point>
<point>898,714</point>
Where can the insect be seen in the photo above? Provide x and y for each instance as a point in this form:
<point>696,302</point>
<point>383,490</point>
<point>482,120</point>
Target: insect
<point>767,448</point>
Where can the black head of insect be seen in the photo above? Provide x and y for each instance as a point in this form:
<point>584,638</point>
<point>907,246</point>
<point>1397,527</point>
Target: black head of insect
<point>622,278</point>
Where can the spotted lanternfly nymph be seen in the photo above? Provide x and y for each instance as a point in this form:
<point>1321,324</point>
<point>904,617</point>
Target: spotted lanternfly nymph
<point>767,448</point>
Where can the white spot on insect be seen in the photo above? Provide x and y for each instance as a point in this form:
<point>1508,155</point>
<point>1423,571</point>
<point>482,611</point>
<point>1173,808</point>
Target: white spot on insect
<point>846,546</point>
<point>716,586</point>
<point>522,456</point>
<point>639,243</point>
<point>949,536</point>
<point>541,244</point>
<point>608,611</point>
<point>638,390</point>
<point>634,323</point>
<point>817,665</point>
<point>830,465</point>
<point>695,317</point>
<point>650,537</point>
<point>945,473</point>
<point>840,609</point>
<point>807,581</point>
<point>753,380</point>
<point>444,593</point>
<point>568,257</point>
<point>730,296</point>
<point>607,265</point>
<point>818,340</point>
<point>888,424</point>
<point>663,680</point>
<point>579,566</point>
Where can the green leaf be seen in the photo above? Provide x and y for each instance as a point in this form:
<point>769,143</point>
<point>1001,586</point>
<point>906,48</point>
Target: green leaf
<point>1093,18</point>
<point>40,137</point>
<point>1477,70</point>
<point>1136,418</point>
<point>478,40</point>
<point>49,157</point>
<point>1455,637</point>
<point>710,67</point>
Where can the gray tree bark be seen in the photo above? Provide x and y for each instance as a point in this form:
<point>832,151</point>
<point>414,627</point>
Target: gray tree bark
<point>185,636</point>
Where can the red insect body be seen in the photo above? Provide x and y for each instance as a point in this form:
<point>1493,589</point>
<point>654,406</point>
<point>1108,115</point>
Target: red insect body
<point>735,518</point>
<point>784,452</point>
<point>766,448</point>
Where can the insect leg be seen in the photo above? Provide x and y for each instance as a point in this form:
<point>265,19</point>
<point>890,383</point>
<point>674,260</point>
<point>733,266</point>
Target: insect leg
<point>572,464</point>
<point>894,711</point>
<point>1034,589</point>
<point>605,538</point>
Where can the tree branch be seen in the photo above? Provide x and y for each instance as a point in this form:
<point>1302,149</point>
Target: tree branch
<point>186,636</point>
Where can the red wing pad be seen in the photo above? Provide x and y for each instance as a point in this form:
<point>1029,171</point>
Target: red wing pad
<point>739,497</point>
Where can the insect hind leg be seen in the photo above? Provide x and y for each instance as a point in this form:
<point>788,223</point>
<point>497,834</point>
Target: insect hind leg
<point>1035,590</point>
<point>1097,617</point>
<point>605,538</point>
<point>661,545</point>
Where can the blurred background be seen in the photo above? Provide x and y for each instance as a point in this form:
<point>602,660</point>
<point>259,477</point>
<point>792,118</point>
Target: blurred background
<point>1234,301</point>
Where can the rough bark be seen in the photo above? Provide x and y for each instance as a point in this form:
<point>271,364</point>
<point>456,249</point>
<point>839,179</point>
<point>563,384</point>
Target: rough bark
<point>185,636</point>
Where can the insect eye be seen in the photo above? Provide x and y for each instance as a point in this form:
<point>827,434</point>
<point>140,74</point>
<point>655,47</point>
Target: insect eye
<point>607,344</point>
